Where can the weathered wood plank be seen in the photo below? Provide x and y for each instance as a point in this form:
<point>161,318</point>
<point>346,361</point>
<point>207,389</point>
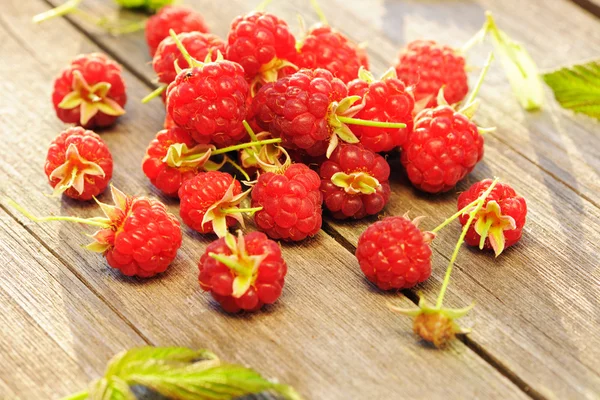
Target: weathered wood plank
<point>328,336</point>
<point>55,334</point>
<point>524,147</point>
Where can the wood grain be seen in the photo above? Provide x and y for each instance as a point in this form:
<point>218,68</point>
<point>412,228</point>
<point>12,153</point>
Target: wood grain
<point>537,302</point>
<point>329,336</point>
<point>55,334</point>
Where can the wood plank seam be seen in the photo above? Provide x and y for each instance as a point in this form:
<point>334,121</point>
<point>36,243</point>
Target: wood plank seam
<point>470,343</point>
<point>78,276</point>
<point>590,6</point>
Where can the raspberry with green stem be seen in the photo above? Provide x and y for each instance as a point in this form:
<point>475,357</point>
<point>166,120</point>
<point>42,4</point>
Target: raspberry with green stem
<point>436,324</point>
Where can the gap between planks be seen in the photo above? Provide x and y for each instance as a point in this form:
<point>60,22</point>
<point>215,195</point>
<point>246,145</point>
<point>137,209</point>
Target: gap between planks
<point>589,6</point>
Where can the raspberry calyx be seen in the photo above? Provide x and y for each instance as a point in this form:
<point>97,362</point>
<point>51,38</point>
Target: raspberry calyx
<point>73,171</point>
<point>356,182</point>
<point>435,324</point>
<point>90,99</point>
<point>491,225</point>
<point>260,154</point>
<point>218,212</point>
<point>244,266</point>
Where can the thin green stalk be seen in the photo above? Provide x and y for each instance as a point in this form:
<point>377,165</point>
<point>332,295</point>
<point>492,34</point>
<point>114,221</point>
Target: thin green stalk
<point>319,11</point>
<point>241,210</point>
<point>155,93</point>
<point>64,9</point>
<point>32,217</point>
<point>377,124</point>
<point>240,169</point>
<point>84,394</point>
<point>486,67</point>
<point>453,217</point>
<point>181,47</point>
<point>461,239</point>
<point>245,145</point>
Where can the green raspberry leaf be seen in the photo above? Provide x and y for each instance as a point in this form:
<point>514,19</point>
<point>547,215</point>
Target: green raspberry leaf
<point>577,87</point>
<point>518,65</point>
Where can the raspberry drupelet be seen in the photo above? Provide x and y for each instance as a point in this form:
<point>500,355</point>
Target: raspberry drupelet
<point>78,164</point>
<point>209,100</point>
<point>311,111</point>
<point>394,253</point>
<point>291,202</point>
<point>179,18</point>
<point>243,274</point>
<point>385,100</point>
<point>139,237</point>
<point>262,44</point>
<point>354,182</point>
<point>429,66</point>
<point>209,202</point>
<point>499,223</point>
<point>90,92</point>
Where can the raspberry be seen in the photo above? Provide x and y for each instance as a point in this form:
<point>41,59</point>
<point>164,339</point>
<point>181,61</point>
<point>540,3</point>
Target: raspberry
<point>499,223</point>
<point>429,66</point>
<point>262,44</point>
<point>324,47</point>
<point>386,100</point>
<point>394,254</point>
<point>442,149</point>
<point>207,201</point>
<point>179,18</point>
<point>78,164</point>
<point>90,92</point>
<point>209,100</point>
<point>198,44</point>
<point>139,237</point>
<point>166,167</point>
<point>243,274</point>
<point>354,182</point>
<point>291,202</point>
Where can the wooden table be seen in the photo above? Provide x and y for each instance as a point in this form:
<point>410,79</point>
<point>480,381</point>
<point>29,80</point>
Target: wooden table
<point>536,325</point>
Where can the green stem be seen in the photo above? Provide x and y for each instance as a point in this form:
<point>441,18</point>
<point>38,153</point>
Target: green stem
<point>182,49</point>
<point>122,29</point>
<point>240,169</point>
<point>245,145</point>
<point>32,217</point>
<point>250,131</point>
<point>263,5</point>
<point>64,9</point>
<point>234,210</point>
<point>232,264</point>
<point>377,124</point>
<point>155,93</point>
<point>461,239</point>
<point>453,217</point>
<point>486,67</point>
<point>84,394</point>
<point>315,5</point>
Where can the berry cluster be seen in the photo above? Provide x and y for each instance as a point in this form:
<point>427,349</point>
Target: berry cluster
<point>311,100</point>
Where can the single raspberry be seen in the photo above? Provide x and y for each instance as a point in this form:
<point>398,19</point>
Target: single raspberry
<point>325,47</point>
<point>385,100</point>
<point>429,66</point>
<point>198,44</point>
<point>394,254</point>
<point>499,223</point>
<point>179,18</point>
<point>244,274</point>
<point>354,182</point>
<point>90,92</point>
<point>291,202</point>
<point>78,164</point>
<point>139,237</point>
<point>262,44</point>
<point>209,99</point>
<point>442,149</point>
<point>168,163</point>
<point>209,202</point>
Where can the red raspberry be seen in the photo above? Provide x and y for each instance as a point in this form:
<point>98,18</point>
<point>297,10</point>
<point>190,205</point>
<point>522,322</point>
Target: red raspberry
<point>78,164</point>
<point>166,166</point>
<point>90,92</point>
<point>441,150</point>
<point>243,274</point>
<point>262,44</point>
<point>204,199</point>
<point>198,44</point>
<point>179,18</point>
<point>298,109</point>
<point>324,47</point>
<point>169,123</point>
<point>291,202</point>
<point>429,66</point>
<point>210,101</point>
<point>394,254</point>
<point>354,182</point>
<point>499,224</point>
<point>386,100</point>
